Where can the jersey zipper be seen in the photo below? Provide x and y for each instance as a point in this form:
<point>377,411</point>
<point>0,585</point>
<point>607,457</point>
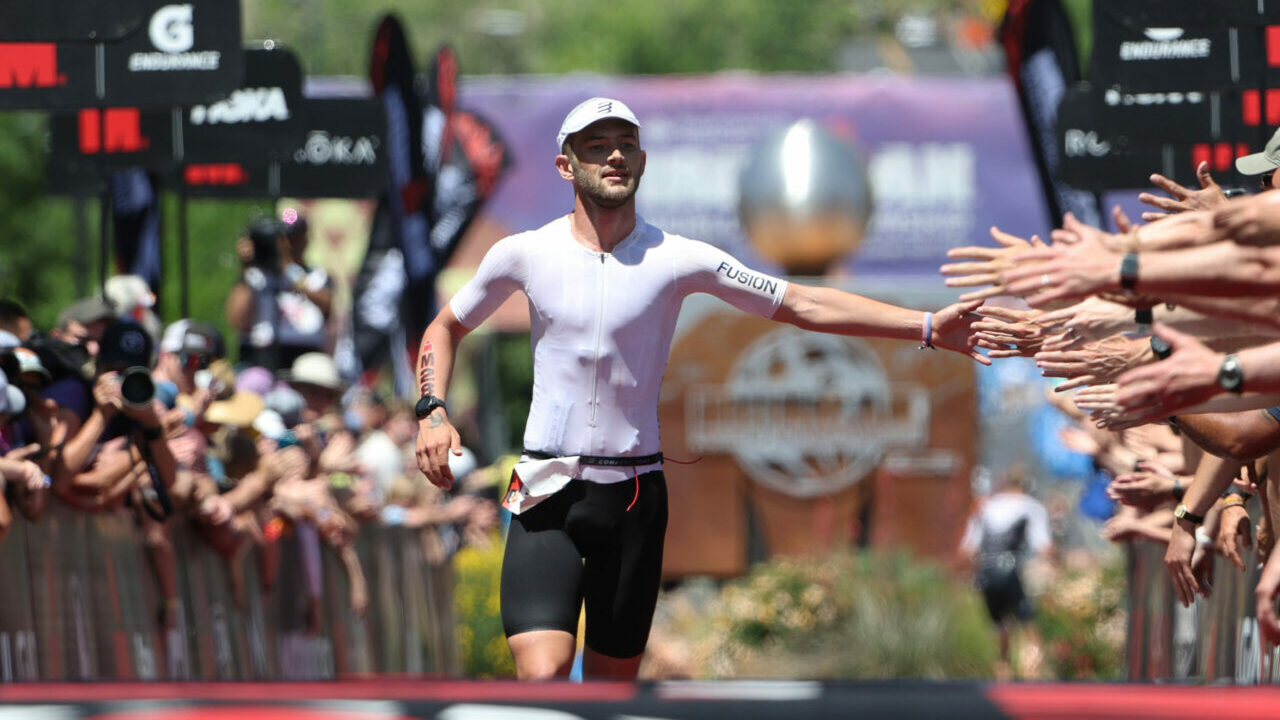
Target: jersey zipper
<point>595,366</point>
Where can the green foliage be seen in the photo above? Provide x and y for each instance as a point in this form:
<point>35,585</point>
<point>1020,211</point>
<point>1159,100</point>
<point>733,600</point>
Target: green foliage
<point>848,615</point>
<point>515,377</point>
<point>481,642</point>
<point>560,36</point>
<point>1082,623</point>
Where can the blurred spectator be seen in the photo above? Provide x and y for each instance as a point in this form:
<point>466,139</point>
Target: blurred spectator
<point>280,306</point>
<point>131,297</point>
<point>83,323</point>
<point>14,321</point>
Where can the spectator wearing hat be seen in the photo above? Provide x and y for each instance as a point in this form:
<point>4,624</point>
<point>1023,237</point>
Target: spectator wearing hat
<point>83,322</point>
<point>280,307</point>
<point>118,438</point>
<point>187,347</point>
<point>131,297</point>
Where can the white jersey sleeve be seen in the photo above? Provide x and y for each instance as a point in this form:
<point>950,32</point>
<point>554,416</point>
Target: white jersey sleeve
<point>502,271</point>
<point>710,270</point>
<point>1039,536</point>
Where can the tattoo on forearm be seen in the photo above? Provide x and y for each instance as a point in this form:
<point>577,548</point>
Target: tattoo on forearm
<point>434,421</point>
<point>426,369</point>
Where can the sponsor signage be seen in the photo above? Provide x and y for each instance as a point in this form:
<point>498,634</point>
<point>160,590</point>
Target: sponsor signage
<point>258,120</point>
<point>70,20</point>
<point>1172,59</point>
<point>342,151</point>
<point>184,52</point>
<point>234,147</point>
<point>1194,13</point>
<point>87,144</point>
<point>178,54</point>
<point>37,75</point>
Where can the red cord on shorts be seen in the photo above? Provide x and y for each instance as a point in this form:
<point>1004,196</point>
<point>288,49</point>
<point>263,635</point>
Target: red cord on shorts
<point>637,495</point>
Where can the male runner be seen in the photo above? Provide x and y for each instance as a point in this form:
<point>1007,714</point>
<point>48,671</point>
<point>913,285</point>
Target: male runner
<point>605,289</point>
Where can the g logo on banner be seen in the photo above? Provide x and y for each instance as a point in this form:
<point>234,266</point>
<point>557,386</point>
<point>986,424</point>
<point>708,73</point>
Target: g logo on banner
<point>172,30</point>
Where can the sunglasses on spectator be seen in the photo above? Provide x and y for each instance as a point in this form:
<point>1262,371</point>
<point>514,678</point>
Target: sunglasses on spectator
<point>1267,179</point>
<point>195,361</point>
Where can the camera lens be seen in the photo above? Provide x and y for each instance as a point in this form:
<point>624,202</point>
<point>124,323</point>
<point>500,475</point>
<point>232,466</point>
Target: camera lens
<point>136,387</point>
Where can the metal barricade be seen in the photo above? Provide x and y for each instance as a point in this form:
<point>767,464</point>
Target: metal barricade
<point>82,601</point>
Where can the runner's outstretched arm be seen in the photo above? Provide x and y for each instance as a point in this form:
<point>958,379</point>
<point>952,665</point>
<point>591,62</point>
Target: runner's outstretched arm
<point>835,311</point>
<point>436,435</point>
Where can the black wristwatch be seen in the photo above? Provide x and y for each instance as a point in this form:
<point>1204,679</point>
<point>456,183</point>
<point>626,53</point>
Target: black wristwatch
<point>1230,376</point>
<point>1160,347</point>
<point>1129,272</point>
<point>1143,316</point>
<point>1182,513</point>
<point>427,404</point>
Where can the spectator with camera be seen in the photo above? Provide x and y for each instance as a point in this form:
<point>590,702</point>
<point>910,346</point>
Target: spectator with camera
<point>280,307</point>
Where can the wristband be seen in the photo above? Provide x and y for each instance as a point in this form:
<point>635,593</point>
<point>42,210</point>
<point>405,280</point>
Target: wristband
<point>1178,491</point>
<point>152,433</point>
<point>1230,501</point>
<point>926,332</point>
<point>1202,537</point>
<point>1129,272</point>
<point>1143,316</point>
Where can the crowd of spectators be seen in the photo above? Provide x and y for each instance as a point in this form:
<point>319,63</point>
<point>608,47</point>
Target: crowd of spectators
<point>1164,333</point>
<point>110,411</point>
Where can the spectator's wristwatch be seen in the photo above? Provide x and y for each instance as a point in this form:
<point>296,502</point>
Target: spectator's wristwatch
<point>1129,272</point>
<point>1230,376</point>
<point>1182,513</point>
<point>427,404</point>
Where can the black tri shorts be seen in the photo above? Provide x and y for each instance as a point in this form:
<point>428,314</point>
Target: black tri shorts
<point>583,544</point>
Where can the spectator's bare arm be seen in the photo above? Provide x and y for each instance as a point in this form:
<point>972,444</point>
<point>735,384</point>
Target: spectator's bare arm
<point>1244,436</point>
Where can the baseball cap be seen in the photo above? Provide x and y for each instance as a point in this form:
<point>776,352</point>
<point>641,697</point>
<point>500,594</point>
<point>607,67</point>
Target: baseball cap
<point>8,340</point>
<point>124,343</point>
<point>11,398</point>
<point>315,368</point>
<point>29,362</point>
<point>193,337</point>
<point>589,111</point>
<point>1261,162</point>
<point>86,311</point>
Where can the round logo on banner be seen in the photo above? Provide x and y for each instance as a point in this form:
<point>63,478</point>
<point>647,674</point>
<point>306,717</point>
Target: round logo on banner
<point>807,414</point>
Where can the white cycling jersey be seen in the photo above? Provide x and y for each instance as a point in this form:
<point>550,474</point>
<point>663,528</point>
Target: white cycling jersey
<point>601,326</point>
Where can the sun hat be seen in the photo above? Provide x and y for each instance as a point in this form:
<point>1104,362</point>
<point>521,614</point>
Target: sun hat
<point>1261,162</point>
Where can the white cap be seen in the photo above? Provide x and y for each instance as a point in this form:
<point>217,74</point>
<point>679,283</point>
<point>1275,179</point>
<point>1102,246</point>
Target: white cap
<point>315,368</point>
<point>8,340</point>
<point>464,464</point>
<point>1262,162</point>
<point>589,111</point>
<point>11,398</point>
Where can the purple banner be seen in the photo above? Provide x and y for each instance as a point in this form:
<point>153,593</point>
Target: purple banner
<point>948,158</point>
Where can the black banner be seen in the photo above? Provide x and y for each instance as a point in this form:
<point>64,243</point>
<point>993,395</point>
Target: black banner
<point>178,54</point>
<point>91,144</point>
<point>184,53</point>
<point>233,148</point>
<point>341,153</point>
<point>46,75</point>
<point>70,20</point>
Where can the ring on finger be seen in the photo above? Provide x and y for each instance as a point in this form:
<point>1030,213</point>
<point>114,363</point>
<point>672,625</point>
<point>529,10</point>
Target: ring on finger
<point>1044,279</point>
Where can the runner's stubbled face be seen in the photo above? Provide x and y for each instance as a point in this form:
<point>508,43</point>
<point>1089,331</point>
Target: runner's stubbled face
<point>607,162</point>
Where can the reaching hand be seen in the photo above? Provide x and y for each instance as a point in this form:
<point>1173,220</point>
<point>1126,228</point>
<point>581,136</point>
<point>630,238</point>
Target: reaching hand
<point>1182,199</point>
<point>1265,595</point>
<point>989,263</point>
<point>1177,559</point>
<point>1143,490</point>
<point>1095,362</point>
<point>1088,320</point>
<point>1234,533</point>
<point>1006,332</point>
<point>1067,270</point>
<point>1187,377</point>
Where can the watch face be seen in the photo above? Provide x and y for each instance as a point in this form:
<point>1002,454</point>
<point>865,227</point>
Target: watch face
<point>1229,375</point>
